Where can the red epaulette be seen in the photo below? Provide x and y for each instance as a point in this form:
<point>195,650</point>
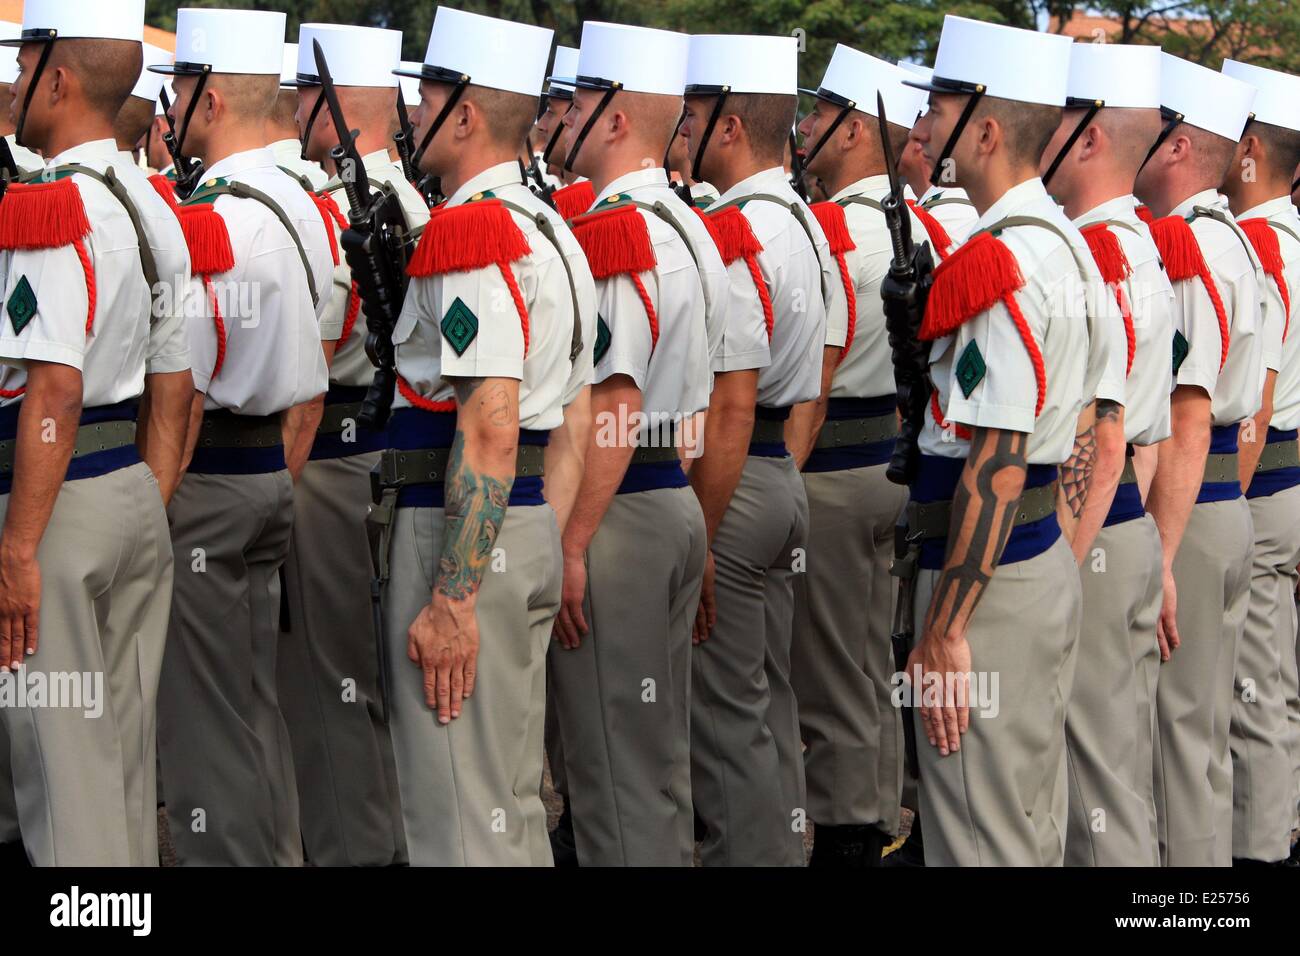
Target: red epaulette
<point>472,235</point>
<point>616,241</point>
<point>735,239</point>
<point>332,216</point>
<point>939,237</point>
<point>974,278</point>
<point>1264,238</point>
<point>835,225</point>
<point>573,200</point>
<point>208,240</point>
<point>164,187</point>
<point>49,216</point>
<point>1182,256</point>
<point>1144,214</point>
<point>1114,267</point>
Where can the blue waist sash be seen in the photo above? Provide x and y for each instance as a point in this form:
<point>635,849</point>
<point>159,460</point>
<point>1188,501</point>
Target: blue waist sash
<point>854,456</point>
<point>90,465</point>
<point>1267,483</point>
<point>770,449</point>
<point>1223,441</point>
<point>332,444</point>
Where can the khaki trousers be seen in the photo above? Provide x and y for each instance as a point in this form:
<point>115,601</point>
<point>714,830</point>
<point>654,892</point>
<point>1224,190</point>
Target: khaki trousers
<point>83,775</point>
<point>1263,785</point>
<point>329,675</point>
<point>471,790</point>
<point>841,658</point>
<point>1001,799</point>
<point>746,761</point>
<point>1108,752</point>
<point>622,698</point>
<point>1193,779</point>
<point>227,765</point>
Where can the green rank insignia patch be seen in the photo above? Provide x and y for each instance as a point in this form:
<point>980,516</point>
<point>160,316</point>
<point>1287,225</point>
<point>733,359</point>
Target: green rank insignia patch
<point>970,369</point>
<point>602,339</point>
<point>21,305</point>
<point>459,326</point>
<point>1181,349</point>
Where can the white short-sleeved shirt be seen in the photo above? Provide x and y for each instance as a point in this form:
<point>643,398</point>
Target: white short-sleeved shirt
<point>866,370</point>
<point>808,311</point>
<point>673,372</point>
<point>288,154</point>
<point>1235,389</point>
<point>273,357</point>
<point>124,341</point>
<point>1151,304</point>
<point>351,365</point>
<point>1281,342</point>
<point>952,209</point>
<point>466,324</point>
<point>988,355</point>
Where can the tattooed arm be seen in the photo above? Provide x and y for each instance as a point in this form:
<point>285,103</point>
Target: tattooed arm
<point>443,639</point>
<point>983,512</point>
<point>1076,472</point>
<point>1107,468</point>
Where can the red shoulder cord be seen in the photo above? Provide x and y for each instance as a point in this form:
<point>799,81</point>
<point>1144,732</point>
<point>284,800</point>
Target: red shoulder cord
<point>1114,267</point>
<point>834,223</point>
<point>330,207</point>
<point>735,239</point>
<point>48,216</point>
<point>210,254</point>
<point>1264,238</point>
<point>1183,259</point>
<point>616,241</point>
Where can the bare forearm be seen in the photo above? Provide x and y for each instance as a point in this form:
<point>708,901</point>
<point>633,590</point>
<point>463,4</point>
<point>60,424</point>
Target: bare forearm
<point>192,432</point>
<point>983,514</point>
<point>1145,458</point>
<point>566,454</point>
<point>731,425</point>
<point>807,418</point>
<point>164,422</point>
<point>614,400</point>
<point>1076,473</point>
<point>1180,469</point>
<point>47,432</point>
<point>299,425</point>
<point>1254,434</point>
<point>1106,473</point>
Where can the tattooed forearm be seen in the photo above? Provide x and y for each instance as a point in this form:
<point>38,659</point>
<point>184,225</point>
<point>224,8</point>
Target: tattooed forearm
<point>1076,473</point>
<point>983,513</point>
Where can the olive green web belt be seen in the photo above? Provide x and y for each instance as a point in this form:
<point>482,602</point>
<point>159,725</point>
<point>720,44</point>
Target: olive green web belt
<point>933,519</point>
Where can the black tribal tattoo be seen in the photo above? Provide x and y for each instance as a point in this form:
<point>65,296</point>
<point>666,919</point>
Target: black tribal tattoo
<point>988,509</point>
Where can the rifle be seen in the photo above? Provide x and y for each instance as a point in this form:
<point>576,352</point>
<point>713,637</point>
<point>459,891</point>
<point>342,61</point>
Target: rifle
<point>797,172</point>
<point>9,171</point>
<point>429,187</point>
<point>188,171</point>
<point>904,291</point>
<point>375,245</point>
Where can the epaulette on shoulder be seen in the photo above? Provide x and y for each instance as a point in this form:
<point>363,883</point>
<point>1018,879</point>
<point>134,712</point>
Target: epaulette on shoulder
<point>835,225</point>
<point>42,215</point>
<point>208,239</point>
<point>1179,250</point>
<point>1144,214</point>
<point>466,237</point>
<point>1263,238</point>
<point>575,199</point>
<point>732,234</point>
<point>971,280</point>
<point>164,187</point>
<point>1107,252</point>
<point>616,241</point>
<point>939,237</point>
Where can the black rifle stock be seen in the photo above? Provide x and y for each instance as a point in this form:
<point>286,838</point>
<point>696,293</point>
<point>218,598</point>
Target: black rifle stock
<point>188,171</point>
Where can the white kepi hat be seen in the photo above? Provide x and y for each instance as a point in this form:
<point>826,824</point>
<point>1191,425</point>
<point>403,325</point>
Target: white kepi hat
<point>150,83</point>
<point>1215,102</point>
<point>468,48</point>
<point>1277,98</point>
<point>356,56</point>
<point>853,80</point>
<point>249,42</point>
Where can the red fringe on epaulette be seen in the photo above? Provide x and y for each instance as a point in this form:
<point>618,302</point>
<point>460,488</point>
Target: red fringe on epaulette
<point>1144,214</point>
<point>735,239</point>
<point>470,236</point>
<point>332,216</point>
<point>1182,256</point>
<point>573,200</point>
<point>42,215</point>
<point>969,282</point>
<point>165,188</point>
<point>616,242</point>
<point>1264,238</point>
<point>207,238</point>
<point>835,225</point>
<point>1114,267</point>
<point>939,237</point>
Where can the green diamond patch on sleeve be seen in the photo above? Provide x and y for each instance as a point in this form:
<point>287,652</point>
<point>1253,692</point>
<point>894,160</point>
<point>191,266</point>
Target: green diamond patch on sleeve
<point>1181,348</point>
<point>21,305</point>
<point>970,369</point>
<point>602,339</point>
<point>460,326</point>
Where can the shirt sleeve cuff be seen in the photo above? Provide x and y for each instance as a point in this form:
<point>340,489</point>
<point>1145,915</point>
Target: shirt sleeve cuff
<point>1006,417</point>
<point>36,351</point>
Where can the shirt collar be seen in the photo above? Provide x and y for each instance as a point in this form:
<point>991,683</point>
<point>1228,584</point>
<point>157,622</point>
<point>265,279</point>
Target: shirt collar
<point>240,162</point>
<point>494,177</point>
<point>757,183</point>
<point>654,176</point>
<point>1278,206</point>
<point>703,190</point>
<point>378,158</point>
<point>1122,208</point>
<point>95,149</point>
<point>1016,199</point>
<point>868,184</point>
<point>1206,197</point>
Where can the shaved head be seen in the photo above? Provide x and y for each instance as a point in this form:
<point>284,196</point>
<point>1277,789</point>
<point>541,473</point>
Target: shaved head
<point>767,119</point>
<point>246,96</point>
<point>654,119</point>
<point>133,121</point>
<point>106,69</point>
<point>1130,132</point>
<point>509,115</point>
<point>1212,154</point>
<point>1028,126</point>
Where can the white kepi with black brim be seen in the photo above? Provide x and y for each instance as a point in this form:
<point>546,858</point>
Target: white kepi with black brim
<point>471,49</point>
<point>1115,75</point>
<point>365,57</point>
<point>614,57</point>
<point>854,80</point>
<point>47,21</point>
<point>979,59</point>
<point>722,64</point>
<point>150,84</point>
<point>1277,97</point>
<point>1215,102</point>
<point>559,86</point>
